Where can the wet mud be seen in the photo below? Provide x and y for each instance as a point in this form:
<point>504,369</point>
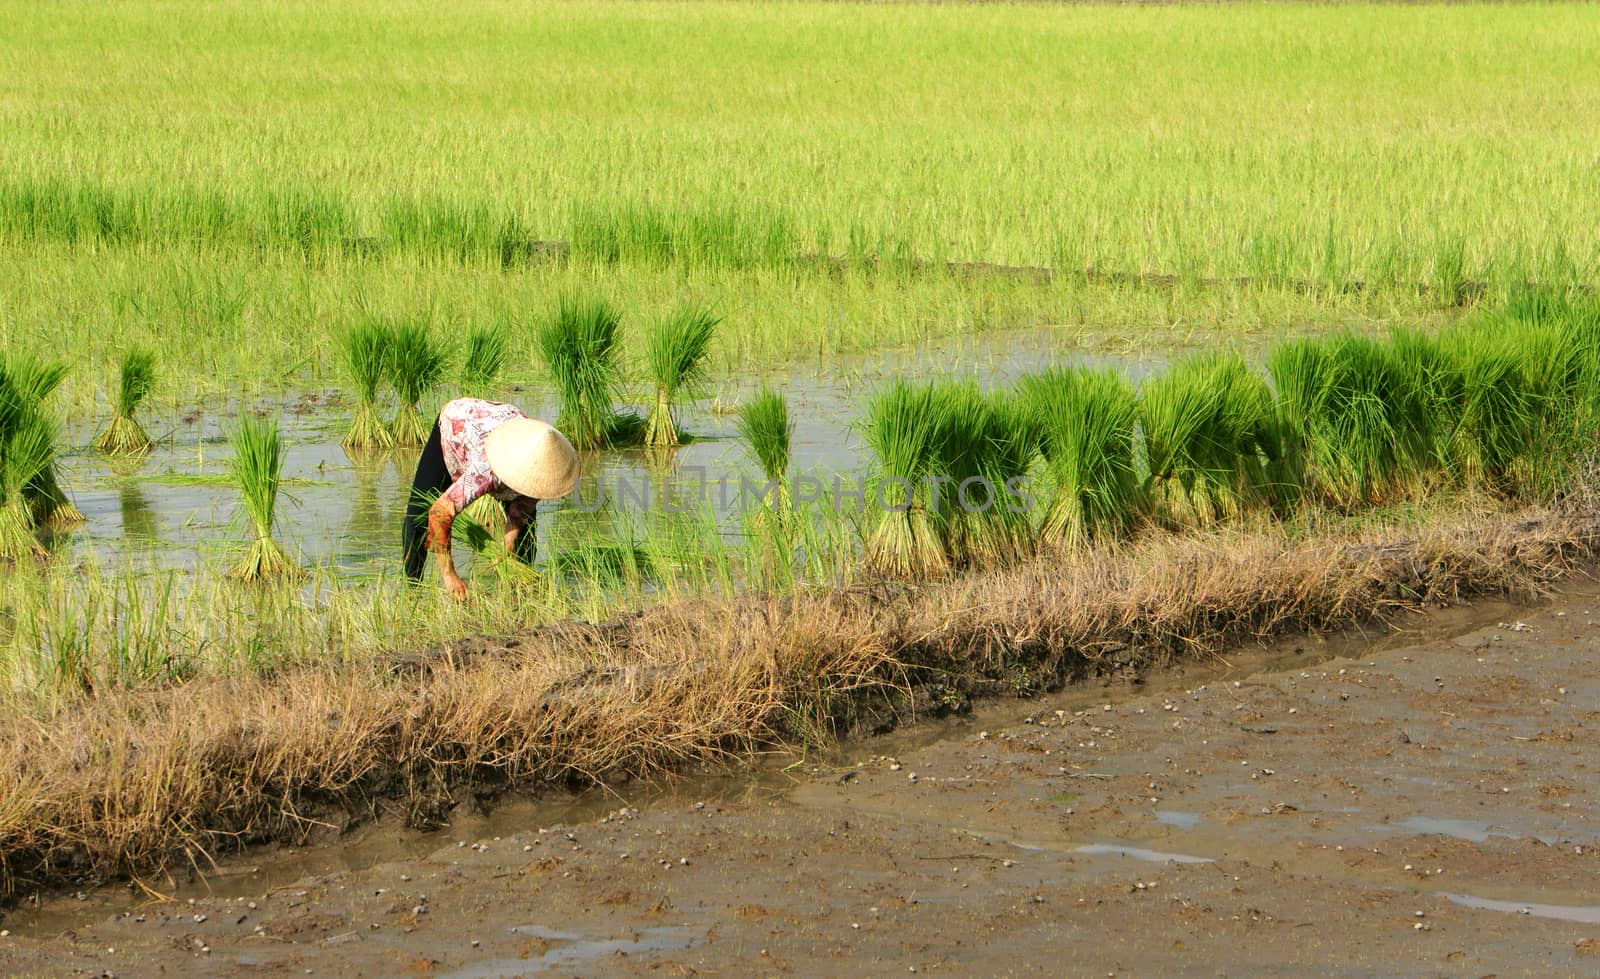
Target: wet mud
<point>1422,806</point>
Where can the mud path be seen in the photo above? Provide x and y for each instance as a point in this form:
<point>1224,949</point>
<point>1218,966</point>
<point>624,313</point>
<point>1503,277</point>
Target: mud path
<point>1423,809</point>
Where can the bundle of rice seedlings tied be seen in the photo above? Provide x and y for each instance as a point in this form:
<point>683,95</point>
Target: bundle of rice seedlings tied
<point>676,358</point>
<point>1358,408</point>
<point>1086,421</point>
<point>766,428</point>
<point>1212,438</point>
<point>981,444</point>
<point>1524,414</point>
<point>579,345</point>
<point>485,358</point>
<point>416,364</point>
<point>31,382</point>
<point>366,349</point>
<point>905,540</point>
<point>257,468</point>
<point>27,450</point>
<point>124,436</point>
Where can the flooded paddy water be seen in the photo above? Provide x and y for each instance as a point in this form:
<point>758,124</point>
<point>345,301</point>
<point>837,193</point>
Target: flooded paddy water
<point>177,507</point>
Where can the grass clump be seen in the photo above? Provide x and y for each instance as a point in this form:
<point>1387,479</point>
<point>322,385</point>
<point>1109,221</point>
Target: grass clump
<point>257,469</point>
<point>124,436</point>
<point>767,430</point>
<point>486,351</point>
<point>1087,422</point>
<point>675,355</point>
<point>579,345</point>
<point>365,349</point>
<point>416,364</point>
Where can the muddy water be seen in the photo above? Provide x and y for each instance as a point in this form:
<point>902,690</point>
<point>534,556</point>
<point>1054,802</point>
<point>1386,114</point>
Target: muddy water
<point>767,780</point>
<point>175,509</point>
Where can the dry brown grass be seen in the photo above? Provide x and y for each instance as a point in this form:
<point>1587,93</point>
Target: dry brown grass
<point>130,781</point>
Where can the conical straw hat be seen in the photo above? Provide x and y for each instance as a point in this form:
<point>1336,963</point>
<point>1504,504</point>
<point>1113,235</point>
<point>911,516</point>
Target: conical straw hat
<point>532,458</point>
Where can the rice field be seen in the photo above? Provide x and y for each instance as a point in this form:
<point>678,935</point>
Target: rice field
<point>257,193</point>
<point>827,295</point>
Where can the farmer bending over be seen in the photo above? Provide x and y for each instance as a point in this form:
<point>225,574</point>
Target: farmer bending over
<point>480,447</point>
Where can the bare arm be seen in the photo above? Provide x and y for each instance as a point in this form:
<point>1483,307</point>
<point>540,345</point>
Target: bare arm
<point>441,518</point>
<point>519,516</point>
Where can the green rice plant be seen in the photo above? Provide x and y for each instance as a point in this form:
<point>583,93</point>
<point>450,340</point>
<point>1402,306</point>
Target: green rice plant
<point>607,564</point>
<point>365,349</point>
<point>1358,408</point>
<point>1087,422</point>
<point>416,364</point>
<point>1211,437</point>
<point>766,428</point>
<point>485,358</point>
<point>1522,405</point>
<point>904,540</point>
<point>984,445</point>
<point>483,521</point>
<point>945,457</point>
<point>579,344</point>
<point>714,235</point>
<point>257,470</point>
<point>30,382</point>
<point>124,435</point>
<point>48,500</point>
<point>27,445</point>
<point>675,356</point>
<point>1449,270</point>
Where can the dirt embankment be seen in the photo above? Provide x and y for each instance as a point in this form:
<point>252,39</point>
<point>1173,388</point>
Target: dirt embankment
<point>1425,809</point>
<point>133,781</point>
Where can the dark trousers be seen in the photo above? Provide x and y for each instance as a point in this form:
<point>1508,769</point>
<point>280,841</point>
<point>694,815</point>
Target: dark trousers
<point>433,478</point>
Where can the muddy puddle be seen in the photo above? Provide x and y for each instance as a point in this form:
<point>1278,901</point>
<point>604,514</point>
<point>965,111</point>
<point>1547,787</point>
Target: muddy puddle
<point>782,779</point>
<point>177,510</point>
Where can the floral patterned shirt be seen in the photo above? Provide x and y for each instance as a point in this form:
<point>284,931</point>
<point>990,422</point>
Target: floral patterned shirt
<point>464,426</point>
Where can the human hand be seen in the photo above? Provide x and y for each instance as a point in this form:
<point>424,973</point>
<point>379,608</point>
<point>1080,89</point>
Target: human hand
<point>456,588</point>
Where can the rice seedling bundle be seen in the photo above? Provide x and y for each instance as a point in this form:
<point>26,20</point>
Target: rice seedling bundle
<point>27,443</point>
<point>675,356</point>
<point>982,444</point>
<point>1491,406</point>
<point>30,494</point>
<point>1211,432</point>
<point>1360,412</point>
<point>766,428</point>
<point>257,469</point>
<point>33,381</point>
<point>579,344</point>
<point>1525,404</point>
<point>1086,421</point>
<point>365,349</point>
<point>947,459</point>
<point>900,432</point>
<point>416,365</point>
<point>485,358</point>
<point>124,435</point>
<point>483,522</point>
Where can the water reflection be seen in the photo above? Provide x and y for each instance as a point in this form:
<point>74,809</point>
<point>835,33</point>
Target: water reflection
<point>139,523</point>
